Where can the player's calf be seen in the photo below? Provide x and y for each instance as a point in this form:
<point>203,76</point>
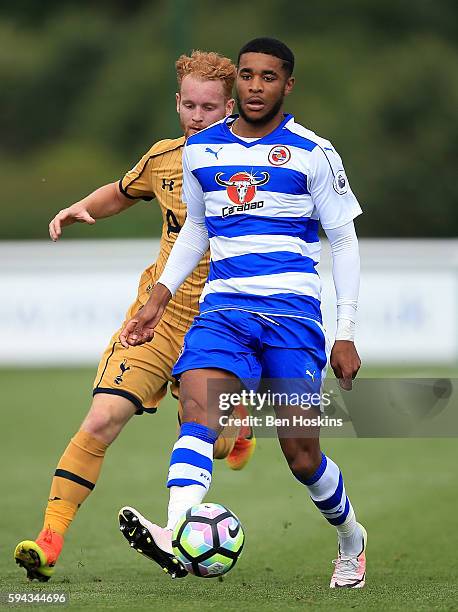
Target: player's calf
<point>326,488</point>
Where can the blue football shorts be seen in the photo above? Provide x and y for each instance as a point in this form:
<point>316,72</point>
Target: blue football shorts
<point>253,346</point>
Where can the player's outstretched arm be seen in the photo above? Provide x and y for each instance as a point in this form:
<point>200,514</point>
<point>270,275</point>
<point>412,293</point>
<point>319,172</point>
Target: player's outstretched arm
<point>103,202</point>
<point>345,360</point>
<point>140,329</point>
<point>337,206</point>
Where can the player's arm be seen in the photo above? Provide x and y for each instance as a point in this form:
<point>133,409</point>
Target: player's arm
<point>337,207</point>
<point>104,202</point>
<point>345,360</point>
<point>188,250</point>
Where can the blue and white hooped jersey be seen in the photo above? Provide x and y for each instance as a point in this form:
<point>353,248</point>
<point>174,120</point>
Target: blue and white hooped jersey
<point>262,202</point>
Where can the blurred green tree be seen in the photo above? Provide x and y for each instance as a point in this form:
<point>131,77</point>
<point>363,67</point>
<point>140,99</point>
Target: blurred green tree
<point>88,87</point>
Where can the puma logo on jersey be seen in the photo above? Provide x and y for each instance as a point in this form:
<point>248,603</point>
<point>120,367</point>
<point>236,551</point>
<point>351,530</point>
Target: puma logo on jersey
<point>215,153</point>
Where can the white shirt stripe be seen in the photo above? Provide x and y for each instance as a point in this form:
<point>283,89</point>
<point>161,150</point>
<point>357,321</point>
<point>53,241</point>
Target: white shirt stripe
<point>222,247</point>
<point>276,204</point>
<point>230,155</point>
<point>297,283</point>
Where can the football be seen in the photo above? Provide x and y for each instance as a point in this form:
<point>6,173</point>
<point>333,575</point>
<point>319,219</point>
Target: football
<point>208,539</point>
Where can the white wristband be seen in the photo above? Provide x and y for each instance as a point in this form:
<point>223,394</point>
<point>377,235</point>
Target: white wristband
<point>345,330</point>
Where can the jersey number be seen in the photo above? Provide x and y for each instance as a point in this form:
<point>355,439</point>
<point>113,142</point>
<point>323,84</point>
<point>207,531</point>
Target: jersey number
<point>173,227</point>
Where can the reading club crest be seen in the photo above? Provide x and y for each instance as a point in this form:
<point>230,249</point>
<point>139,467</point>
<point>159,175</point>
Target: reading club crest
<point>241,187</point>
<point>279,155</point>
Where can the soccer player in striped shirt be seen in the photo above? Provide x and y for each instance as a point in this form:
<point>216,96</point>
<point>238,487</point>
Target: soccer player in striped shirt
<point>134,381</point>
<point>256,186</point>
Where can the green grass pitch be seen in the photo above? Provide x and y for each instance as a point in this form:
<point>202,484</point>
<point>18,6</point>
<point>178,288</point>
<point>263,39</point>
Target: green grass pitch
<point>405,492</point>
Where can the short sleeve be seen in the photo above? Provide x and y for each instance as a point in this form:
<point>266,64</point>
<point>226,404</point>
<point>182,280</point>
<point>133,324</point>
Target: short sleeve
<point>137,184</point>
<point>334,201</point>
<point>192,194</point>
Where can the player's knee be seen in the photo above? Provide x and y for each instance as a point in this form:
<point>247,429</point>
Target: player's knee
<point>107,417</point>
<point>98,423</point>
<point>193,411</point>
<point>303,462</point>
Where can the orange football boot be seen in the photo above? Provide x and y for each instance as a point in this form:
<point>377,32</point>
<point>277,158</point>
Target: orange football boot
<point>38,557</point>
<point>244,445</point>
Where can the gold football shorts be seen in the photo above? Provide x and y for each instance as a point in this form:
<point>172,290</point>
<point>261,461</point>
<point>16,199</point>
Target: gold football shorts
<point>141,373</point>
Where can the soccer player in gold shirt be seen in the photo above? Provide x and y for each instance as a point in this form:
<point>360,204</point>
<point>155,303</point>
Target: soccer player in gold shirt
<point>133,381</point>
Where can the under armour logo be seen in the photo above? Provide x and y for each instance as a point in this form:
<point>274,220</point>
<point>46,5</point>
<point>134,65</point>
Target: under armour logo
<point>168,183</point>
<point>215,153</point>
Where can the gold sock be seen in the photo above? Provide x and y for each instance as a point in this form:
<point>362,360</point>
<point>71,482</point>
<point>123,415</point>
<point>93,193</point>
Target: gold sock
<point>74,479</point>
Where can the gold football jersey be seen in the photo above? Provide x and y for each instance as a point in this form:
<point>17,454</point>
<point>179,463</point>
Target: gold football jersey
<point>159,175</point>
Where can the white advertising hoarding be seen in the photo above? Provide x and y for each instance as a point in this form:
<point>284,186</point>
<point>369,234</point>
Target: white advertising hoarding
<point>61,303</point>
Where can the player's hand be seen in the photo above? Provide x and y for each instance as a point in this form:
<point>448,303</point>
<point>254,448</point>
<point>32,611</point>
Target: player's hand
<point>345,362</point>
<point>67,216</point>
<point>140,329</point>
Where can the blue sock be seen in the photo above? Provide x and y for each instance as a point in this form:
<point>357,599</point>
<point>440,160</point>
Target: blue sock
<point>191,462</point>
<point>190,471</point>
<point>327,490</point>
